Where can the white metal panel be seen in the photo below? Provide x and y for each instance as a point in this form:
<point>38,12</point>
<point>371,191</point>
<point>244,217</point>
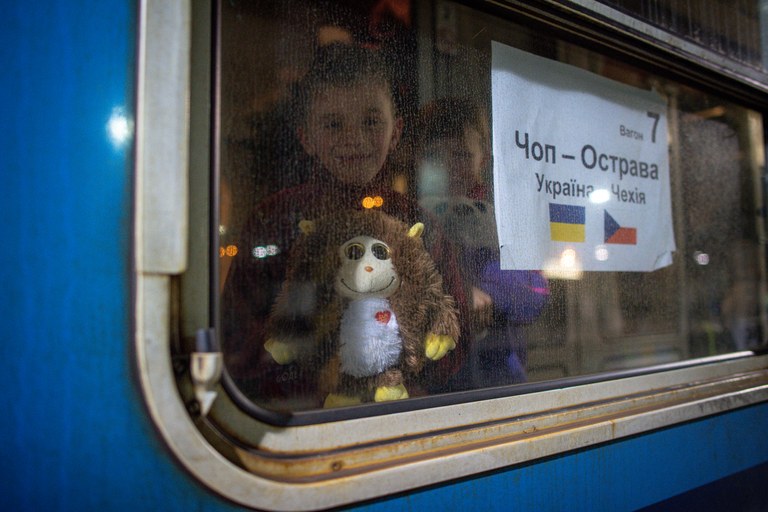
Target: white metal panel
<point>162,135</point>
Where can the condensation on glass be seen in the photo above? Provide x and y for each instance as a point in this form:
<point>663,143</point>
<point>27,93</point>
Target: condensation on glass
<point>515,327</point>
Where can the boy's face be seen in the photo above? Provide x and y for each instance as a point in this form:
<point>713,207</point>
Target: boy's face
<point>351,130</point>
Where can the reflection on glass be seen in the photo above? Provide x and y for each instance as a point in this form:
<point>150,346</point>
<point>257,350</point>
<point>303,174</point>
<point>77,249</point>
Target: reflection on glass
<point>600,195</point>
<point>602,253</point>
<point>567,266</point>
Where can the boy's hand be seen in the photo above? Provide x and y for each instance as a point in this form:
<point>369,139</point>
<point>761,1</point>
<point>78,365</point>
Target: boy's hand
<point>437,346</point>
<point>480,299</point>
<point>482,308</point>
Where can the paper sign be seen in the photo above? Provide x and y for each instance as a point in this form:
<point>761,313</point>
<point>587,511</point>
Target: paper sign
<point>581,168</point>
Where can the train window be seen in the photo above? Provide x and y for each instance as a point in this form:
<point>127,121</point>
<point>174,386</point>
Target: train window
<point>362,102</point>
<point>729,29</point>
<point>448,235</point>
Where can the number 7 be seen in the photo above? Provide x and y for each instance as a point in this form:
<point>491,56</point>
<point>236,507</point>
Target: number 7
<point>655,117</point>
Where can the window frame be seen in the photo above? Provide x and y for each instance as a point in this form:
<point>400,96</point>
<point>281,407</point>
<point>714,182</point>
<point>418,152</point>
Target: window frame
<point>616,32</point>
<point>354,458</point>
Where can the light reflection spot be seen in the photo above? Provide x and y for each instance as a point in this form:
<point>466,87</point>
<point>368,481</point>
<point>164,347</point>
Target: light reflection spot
<point>372,202</point>
<point>701,258</point>
<point>265,251</point>
<point>600,195</point>
<point>230,250</point>
<point>119,127</point>
<point>568,258</point>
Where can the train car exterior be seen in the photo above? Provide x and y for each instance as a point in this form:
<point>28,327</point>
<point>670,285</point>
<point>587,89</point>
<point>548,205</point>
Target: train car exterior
<point>113,116</point>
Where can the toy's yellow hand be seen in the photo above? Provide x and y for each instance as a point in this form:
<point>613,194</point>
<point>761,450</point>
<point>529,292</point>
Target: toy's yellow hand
<point>281,352</point>
<point>334,400</point>
<point>438,345</point>
<point>387,393</point>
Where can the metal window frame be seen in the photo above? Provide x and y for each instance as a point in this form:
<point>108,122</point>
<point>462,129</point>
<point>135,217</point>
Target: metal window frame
<point>612,30</point>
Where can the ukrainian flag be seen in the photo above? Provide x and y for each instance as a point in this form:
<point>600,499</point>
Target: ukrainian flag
<point>566,222</point>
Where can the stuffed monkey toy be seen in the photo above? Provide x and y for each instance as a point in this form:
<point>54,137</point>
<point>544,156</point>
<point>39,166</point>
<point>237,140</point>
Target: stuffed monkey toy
<point>362,297</point>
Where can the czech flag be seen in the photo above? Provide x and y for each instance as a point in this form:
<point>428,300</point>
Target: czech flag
<point>616,234</point>
<point>566,222</point>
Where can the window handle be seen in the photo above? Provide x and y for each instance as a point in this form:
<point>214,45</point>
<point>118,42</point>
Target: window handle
<point>206,367</point>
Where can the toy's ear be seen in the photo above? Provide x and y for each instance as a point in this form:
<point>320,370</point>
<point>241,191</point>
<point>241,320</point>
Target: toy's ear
<point>307,226</point>
<point>416,230</point>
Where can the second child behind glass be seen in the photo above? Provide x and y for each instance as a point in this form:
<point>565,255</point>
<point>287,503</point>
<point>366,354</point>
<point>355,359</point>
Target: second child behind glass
<point>454,152</point>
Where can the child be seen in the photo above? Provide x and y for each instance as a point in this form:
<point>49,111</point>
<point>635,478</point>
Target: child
<point>455,151</point>
<point>348,124</point>
<point>454,143</point>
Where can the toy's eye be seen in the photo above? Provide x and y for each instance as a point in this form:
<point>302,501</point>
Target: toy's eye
<point>380,251</point>
<point>354,251</point>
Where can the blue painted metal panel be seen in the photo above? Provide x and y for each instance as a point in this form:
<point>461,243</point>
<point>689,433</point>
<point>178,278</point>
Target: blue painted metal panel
<point>74,432</point>
<point>736,492</point>
<point>624,475</point>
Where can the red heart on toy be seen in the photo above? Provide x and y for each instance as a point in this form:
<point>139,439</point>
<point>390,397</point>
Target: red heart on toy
<point>383,316</point>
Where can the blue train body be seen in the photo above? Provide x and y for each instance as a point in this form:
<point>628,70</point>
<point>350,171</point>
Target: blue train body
<point>76,434</point>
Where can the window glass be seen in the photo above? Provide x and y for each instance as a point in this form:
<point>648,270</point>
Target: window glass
<point>372,120</point>
<point>726,27</point>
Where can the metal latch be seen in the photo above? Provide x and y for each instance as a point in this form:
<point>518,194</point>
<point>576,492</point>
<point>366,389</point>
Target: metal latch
<point>206,367</point>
